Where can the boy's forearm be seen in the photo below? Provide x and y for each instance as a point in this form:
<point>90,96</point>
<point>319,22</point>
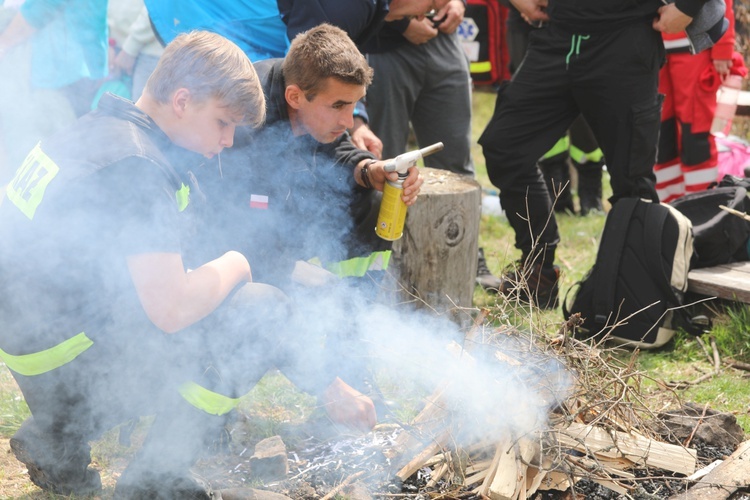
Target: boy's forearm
<point>174,299</point>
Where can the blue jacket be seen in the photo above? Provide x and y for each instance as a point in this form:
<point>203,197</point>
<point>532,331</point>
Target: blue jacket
<point>70,42</point>
<point>254,25</point>
<point>263,28</point>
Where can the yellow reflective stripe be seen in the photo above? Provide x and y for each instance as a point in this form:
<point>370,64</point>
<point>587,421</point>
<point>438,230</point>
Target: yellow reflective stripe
<point>26,190</point>
<point>560,146</point>
<point>44,361</point>
<point>183,197</point>
<point>480,67</point>
<point>578,155</point>
<point>358,266</point>
<point>208,401</point>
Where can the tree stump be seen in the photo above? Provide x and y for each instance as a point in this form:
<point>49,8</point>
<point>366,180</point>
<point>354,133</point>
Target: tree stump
<point>435,260</point>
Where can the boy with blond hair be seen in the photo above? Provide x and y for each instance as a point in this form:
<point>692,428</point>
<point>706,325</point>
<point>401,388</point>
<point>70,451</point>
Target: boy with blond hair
<point>103,321</point>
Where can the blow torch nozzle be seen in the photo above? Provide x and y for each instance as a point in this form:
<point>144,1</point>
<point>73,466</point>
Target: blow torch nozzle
<point>438,146</point>
<point>403,161</point>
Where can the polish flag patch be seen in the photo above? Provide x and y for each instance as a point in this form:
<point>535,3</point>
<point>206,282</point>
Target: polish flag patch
<point>259,201</point>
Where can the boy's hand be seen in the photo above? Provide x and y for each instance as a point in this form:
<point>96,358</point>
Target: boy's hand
<point>378,177</point>
<point>347,406</point>
<point>412,185</point>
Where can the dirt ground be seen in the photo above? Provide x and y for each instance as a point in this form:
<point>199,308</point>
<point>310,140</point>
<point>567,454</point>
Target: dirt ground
<point>15,483</point>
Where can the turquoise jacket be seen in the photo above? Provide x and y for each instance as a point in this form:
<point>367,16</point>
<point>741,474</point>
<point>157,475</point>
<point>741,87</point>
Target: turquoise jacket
<point>254,25</point>
<point>70,42</point>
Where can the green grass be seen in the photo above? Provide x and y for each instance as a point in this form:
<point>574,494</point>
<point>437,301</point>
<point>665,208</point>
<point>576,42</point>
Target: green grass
<point>681,360</point>
<point>13,408</point>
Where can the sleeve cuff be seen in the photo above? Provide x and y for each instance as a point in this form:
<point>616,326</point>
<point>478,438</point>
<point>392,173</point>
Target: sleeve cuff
<point>361,112</point>
<point>690,7</point>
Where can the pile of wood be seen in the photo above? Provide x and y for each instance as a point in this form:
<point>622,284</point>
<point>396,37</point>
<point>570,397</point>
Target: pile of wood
<point>515,468</point>
<point>600,433</point>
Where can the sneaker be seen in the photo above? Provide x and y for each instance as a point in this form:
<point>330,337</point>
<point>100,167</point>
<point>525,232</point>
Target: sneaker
<point>51,465</point>
<point>537,284</point>
<point>485,278</point>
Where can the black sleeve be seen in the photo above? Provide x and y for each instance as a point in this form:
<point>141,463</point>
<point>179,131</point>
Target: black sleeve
<point>346,153</point>
<point>353,16</point>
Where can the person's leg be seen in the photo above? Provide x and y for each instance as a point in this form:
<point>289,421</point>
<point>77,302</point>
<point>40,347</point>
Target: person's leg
<point>694,107</point>
<point>556,169</point>
<point>670,183</point>
<point>616,80</point>
<point>53,445</point>
<point>588,160</point>
<point>390,98</point>
<point>209,367</point>
<point>532,112</point>
<point>442,112</point>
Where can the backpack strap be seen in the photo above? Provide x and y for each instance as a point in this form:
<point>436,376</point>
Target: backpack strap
<point>609,255</point>
<point>653,229</point>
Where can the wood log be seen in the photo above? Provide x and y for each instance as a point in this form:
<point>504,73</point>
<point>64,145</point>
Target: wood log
<point>638,449</point>
<point>436,259</point>
<point>509,481</point>
<point>724,480</point>
<point>418,461</point>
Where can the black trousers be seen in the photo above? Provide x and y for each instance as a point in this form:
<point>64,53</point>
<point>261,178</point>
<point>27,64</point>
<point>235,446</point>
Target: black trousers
<point>608,76</point>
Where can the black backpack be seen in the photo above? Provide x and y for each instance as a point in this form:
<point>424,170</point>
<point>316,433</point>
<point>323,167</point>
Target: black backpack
<point>719,236</point>
<point>636,287</point>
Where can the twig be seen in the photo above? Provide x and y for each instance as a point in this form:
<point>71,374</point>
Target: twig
<point>705,349</point>
<point>700,421</point>
<point>717,360</point>
<point>687,383</point>
<point>346,482</point>
<point>737,364</point>
<point>735,212</point>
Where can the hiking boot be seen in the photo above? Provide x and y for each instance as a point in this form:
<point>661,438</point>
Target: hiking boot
<point>485,278</point>
<point>535,284</point>
<point>52,465</point>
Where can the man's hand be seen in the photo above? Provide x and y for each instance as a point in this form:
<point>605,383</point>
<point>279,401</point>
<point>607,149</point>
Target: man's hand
<point>450,16</point>
<point>670,19</point>
<point>364,138</point>
<point>420,31</point>
<point>533,11</point>
<point>347,406</point>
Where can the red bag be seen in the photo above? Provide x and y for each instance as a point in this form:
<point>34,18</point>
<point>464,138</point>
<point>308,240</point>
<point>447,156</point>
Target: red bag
<point>482,33</point>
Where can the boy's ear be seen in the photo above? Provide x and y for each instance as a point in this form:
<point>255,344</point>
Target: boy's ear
<point>180,100</point>
<point>293,95</point>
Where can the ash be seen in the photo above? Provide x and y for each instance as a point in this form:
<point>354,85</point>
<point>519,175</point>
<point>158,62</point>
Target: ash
<point>364,464</point>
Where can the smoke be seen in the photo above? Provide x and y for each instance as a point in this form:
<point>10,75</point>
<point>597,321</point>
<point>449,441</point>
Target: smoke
<point>489,388</point>
<point>67,274</point>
